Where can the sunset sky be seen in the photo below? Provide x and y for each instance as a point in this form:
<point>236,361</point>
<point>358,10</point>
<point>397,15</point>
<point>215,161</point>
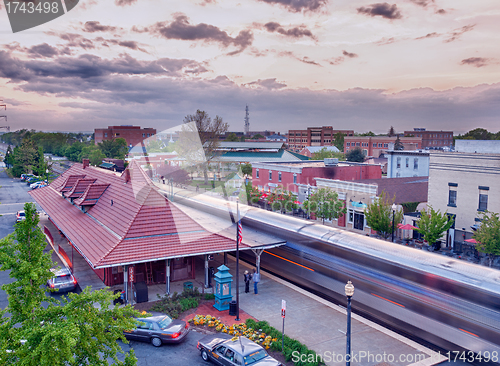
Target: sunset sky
<point>351,64</point>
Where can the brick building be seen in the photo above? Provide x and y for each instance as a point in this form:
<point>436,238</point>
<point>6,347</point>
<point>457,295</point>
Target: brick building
<point>132,134</point>
<point>313,136</point>
<point>376,145</point>
<point>298,177</point>
<point>432,139</point>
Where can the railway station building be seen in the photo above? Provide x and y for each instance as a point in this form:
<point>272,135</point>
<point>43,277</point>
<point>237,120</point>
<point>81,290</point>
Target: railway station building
<point>118,222</point>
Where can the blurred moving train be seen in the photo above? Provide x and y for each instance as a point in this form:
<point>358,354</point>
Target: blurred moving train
<point>450,303</point>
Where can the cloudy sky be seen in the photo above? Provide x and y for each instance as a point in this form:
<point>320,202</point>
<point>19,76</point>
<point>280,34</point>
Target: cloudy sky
<point>352,64</point>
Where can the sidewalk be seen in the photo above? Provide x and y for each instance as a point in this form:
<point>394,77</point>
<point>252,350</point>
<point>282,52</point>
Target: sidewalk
<point>321,325</point>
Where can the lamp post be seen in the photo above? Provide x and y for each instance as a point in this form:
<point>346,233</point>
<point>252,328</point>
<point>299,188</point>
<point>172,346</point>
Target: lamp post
<point>349,291</point>
<point>393,214</point>
<point>309,204</point>
<point>47,171</point>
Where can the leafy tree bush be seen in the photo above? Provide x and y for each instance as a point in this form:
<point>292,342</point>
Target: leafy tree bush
<point>327,204</point>
<point>433,224</point>
<point>355,155</point>
<point>291,346</point>
<point>379,215</point>
<point>177,303</point>
<point>488,235</point>
<point>81,330</point>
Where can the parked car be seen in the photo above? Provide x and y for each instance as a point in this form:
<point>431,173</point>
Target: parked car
<point>221,349</point>
<point>158,330</point>
<point>38,184</point>
<point>32,180</point>
<point>20,216</point>
<point>63,280</point>
<point>26,176</point>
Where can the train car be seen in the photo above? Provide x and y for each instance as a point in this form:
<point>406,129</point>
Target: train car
<point>449,303</point>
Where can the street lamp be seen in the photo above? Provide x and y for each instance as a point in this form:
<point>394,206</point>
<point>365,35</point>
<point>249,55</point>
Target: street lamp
<point>47,171</point>
<point>349,291</point>
<point>309,203</point>
<point>393,214</point>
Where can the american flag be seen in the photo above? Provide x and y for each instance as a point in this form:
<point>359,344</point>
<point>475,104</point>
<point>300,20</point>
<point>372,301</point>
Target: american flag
<point>240,232</point>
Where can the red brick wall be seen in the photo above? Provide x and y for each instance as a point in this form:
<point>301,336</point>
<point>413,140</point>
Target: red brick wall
<point>347,173</point>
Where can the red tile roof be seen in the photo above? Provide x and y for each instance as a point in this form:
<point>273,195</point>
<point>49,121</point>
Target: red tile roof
<point>131,222</point>
<point>69,182</point>
<point>78,188</point>
<point>91,195</point>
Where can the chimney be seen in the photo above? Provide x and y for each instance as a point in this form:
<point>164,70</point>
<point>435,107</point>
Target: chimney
<point>126,175</point>
<point>86,163</point>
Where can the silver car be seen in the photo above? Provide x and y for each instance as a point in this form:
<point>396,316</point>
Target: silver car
<point>222,350</point>
<point>62,280</point>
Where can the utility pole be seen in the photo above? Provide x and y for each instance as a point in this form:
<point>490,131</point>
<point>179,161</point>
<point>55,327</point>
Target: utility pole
<point>247,121</point>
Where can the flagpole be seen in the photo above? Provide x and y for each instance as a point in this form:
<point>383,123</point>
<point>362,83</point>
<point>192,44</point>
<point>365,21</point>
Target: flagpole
<point>238,261</point>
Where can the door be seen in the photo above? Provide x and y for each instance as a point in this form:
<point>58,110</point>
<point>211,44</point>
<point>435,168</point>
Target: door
<point>218,355</point>
<point>359,220</point>
<point>144,330</point>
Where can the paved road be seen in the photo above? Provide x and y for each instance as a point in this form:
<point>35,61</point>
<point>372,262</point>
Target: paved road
<point>13,195</point>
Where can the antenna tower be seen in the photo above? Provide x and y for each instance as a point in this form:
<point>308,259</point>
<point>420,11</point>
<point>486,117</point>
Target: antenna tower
<point>247,121</point>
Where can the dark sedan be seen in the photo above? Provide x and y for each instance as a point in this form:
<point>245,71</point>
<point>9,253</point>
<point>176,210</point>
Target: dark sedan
<point>159,330</point>
<point>223,350</point>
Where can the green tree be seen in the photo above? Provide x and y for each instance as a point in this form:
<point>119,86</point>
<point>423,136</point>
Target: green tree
<point>246,169</point>
<point>369,133</point>
<point>476,134</point>
<point>73,151</point>
<point>199,129</point>
<point>355,155</point>
<point>114,149</point>
<point>93,153</point>
<point>391,132</point>
<point>398,145</point>
<point>242,139</point>
<point>324,153</point>
<point>80,331</point>
<point>9,157</point>
<point>257,136</point>
<point>488,235</point>
<point>338,141</point>
<point>232,137</point>
<point>379,215</point>
<point>328,205</point>
<point>433,224</point>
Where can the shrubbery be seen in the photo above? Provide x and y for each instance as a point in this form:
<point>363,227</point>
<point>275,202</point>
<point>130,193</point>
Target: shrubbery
<point>290,345</point>
<point>177,303</point>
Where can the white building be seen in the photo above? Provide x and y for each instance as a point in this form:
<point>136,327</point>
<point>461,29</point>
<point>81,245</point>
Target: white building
<point>478,146</point>
<point>464,184</point>
<point>401,164</point>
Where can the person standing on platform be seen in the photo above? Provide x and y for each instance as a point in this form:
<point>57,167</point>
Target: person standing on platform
<point>256,280</point>
<point>248,277</point>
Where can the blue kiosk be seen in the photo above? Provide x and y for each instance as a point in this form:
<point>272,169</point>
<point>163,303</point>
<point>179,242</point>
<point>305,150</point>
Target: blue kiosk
<point>222,293</point>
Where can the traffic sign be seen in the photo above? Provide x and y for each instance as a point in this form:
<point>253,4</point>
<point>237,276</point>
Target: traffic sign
<point>283,308</point>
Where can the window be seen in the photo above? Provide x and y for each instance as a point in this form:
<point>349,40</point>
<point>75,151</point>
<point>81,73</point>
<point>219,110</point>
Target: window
<point>350,217</point>
<point>279,176</point>
<point>452,198</point>
<point>398,164</point>
<point>483,198</point>
<point>375,145</point>
<point>407,162</point>
<point>143,135</point>
<point>357,143</point>
<point>105,134</point>
<point>257,173</point>
<point>295,179</point>
<point>380,145</point>
<point>348,144</point>
<point>270,175</point>
<point>415,164</point>
<point>386,145</point>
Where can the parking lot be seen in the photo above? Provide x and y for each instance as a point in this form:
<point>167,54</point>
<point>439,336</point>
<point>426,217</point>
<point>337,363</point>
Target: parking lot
<point>13,195</point>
